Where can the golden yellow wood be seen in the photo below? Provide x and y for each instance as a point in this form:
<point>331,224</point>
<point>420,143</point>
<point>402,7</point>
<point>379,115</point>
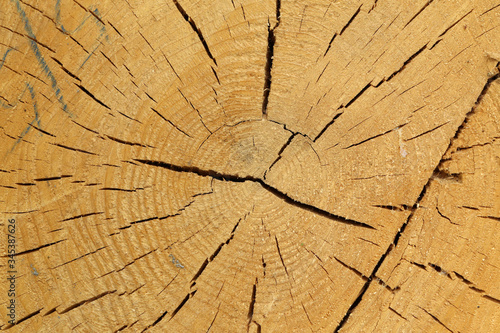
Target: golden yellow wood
<point>260,166</point>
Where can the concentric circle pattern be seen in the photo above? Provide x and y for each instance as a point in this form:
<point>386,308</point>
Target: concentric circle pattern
<point>260,166</point>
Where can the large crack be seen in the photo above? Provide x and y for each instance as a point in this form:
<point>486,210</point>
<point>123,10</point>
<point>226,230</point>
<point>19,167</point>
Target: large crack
<point>413,209</point>
<point>271,39</point>
<point>381,260</point>
<point>238,179</point>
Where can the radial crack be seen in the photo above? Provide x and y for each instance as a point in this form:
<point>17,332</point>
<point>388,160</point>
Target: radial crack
<point>350,20</point>
<point>71,307</point>
<point>330,44</point>
<point>375,136</point>
<point>92,96</point>
<point>171,123</point>
<point>279,252</point>
<point>33,250</point>
<point>184,301</point>
<point>271,39</point>
<point>358,273</point>
<point>327,126</point>
<point>128,142</point>
<point>410,216</point>
<point>86,254</point>
<point>419,12</point>
<point>197,111</point>
<point>252,304</point>
<point>287,143</point>
<point>213,320</point>
<point>216,252</point>
<point>275,191</point>
<point>436,319</point>
<point>196,29</point>
<point>74,149</point>
<point>405,64</point>
<point>17,322</point>
<point>269,64</point>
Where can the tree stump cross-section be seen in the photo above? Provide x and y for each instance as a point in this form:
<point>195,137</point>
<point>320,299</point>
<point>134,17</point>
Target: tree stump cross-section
<point>250,166</point>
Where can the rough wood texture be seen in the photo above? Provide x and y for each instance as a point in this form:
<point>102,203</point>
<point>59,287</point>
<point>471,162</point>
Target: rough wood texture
<point>261,166</point>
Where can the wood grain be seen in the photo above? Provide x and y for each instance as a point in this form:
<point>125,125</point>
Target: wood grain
<point>259,166</point>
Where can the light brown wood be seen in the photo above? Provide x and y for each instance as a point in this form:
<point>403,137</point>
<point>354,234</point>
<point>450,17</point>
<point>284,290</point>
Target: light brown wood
<point>260,166</point>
